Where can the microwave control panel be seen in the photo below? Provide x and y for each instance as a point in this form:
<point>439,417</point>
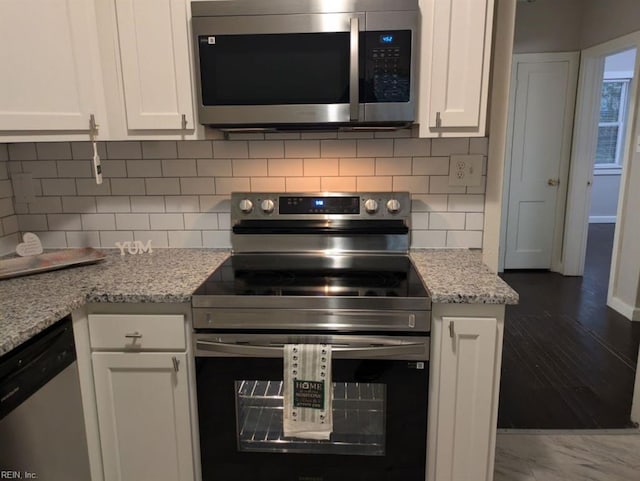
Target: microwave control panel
<point>388,66</point>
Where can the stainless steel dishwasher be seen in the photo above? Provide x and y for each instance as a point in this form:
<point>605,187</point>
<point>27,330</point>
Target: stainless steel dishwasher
<point>42,432</point>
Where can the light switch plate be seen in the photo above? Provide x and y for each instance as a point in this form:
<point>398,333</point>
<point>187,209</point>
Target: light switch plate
<point>465,170</point>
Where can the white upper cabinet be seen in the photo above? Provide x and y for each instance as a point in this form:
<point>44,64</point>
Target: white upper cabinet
<point>455,61</point>
<point>146,59</point>
<point>51,79</point>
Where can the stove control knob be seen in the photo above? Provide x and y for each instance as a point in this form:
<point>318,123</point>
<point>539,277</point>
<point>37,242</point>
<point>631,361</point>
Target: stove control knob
<point>246,206</point>
<point>267,206</point>
<point>393,206</point>
<point>371,206</point>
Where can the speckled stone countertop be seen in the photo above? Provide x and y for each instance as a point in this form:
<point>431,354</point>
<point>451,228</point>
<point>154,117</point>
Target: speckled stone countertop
<point>458,276</point>
<point>30,304</point>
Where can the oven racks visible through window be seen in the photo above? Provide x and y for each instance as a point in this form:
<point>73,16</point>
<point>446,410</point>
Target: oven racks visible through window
<point>358,420</point>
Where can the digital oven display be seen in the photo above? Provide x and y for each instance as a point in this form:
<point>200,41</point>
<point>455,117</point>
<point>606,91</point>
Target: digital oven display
<point>319,205</point>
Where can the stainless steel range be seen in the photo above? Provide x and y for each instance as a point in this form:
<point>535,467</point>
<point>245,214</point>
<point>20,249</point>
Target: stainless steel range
<point>324,268</point>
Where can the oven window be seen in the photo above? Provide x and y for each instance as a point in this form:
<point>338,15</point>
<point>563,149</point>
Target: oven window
<point>359,411</point>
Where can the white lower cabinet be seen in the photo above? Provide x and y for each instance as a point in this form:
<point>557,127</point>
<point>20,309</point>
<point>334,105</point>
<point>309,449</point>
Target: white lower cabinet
<point>463,400</point>
<point>142,397</point>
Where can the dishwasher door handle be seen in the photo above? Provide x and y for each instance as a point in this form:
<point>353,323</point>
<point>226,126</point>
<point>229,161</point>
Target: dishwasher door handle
<point>410,350</point>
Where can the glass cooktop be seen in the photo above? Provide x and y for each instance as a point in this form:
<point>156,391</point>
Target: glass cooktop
<point>315,276</point>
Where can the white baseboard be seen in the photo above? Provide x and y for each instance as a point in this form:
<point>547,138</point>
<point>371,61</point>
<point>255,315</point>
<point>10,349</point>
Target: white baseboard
<point>630,312</point>
<point>602,219</point>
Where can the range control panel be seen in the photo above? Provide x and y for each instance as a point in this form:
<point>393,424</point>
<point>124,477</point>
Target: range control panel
<point>362,205</point>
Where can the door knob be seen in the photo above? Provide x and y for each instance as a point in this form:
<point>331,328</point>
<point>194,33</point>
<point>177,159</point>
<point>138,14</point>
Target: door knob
<point>553,182</point>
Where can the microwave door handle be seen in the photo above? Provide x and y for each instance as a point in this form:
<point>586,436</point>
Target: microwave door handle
<point>354,75</point>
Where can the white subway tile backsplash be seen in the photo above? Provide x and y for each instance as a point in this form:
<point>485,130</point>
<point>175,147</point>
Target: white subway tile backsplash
<point>6,207</point>
<point>357,166</point>
<point>429,203</point>
<point>216,239</point>
<point>58,186</point>
<point>439,184</point>
<point>10,224</point>
<point>337,148</point>
<point>479,146</point>
<point>108,239</point>
<point>98,221</point>
<point>412,183</point>
<point>420,220</point>
<point>185,239</point>
<point>84,150</point>
<point>14,167</point>
<point>197,186</point>
<point>158,238</point>
<point>124,150</point>
<point>144,168</point>
<point>79,205</point>
<point>4,169</point>
<point>375,148</point>
<point>166,221</point>
<point>113,204</point>
<point>393,166</point>
<point>223,149</point>
<point>127,186</point>
<point>53,240</point>
<point>201,221</point>
<point>30,222</point>
<point>430,166</point>
<point>267,184</point>
<point>225,186</point>
<point>302,148</point>
<point>374,184</point>
<point>22,151</point>
<point>179,168</point>
<point>302,184</point>
<point>165,186</point>
<point>132,221</point>
<point>478,189</point>
<point>337,184</point>
<point>83,239</point>
<point>321,167</point>
<point>147,204</point>
<point>215,203</point>
<point>466,203</point>
<point>159,149</point>
<point>113,168</point>
<point>285,167</point>
<point>195,149</point>
<point>89,187</point>
<point>75,168</point>
<point>41,169</point>
<point>442,147</point>
<point>411,147</point>
<point>64,222</point>
<point>471,239</point>
<point>4,152</point>
<point>21,208</point>
<point>447,221</point>
<point>46,205</point>
<point>249,167</point>
<point>53,150</point>
<point>267,149</point>
<point>214,167</point>
<point>224,221</point>
<point>475,221</point>
<point>182,203</point>
<point>428,239</point>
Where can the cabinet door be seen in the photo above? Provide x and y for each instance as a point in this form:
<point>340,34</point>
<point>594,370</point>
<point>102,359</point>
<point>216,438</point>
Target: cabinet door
<point>456,78</point>
<point>156,73</point>
<point>50,65</point>
<point>143,414</point>
<point>465,400</point>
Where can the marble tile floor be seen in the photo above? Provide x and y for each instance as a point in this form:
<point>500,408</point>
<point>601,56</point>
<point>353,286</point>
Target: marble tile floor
<point>586,455</point>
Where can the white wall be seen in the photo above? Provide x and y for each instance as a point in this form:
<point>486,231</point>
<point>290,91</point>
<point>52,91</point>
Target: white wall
<point>604,20</point>
<point>177,193</point>
<point>548,26</point>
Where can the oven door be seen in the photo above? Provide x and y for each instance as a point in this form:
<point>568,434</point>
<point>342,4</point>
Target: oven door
<point>380,388</point>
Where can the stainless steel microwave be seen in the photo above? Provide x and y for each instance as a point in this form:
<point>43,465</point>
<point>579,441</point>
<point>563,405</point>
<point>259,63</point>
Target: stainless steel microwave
<point>299,63</point>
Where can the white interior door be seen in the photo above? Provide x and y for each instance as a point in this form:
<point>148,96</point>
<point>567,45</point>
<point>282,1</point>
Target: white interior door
<point>541,125</point>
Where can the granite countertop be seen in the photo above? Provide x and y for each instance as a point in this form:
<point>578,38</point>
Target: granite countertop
<point>30,304</point>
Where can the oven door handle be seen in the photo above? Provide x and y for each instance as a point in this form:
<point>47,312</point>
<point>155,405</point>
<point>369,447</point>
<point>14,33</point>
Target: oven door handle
<point>408,351</point>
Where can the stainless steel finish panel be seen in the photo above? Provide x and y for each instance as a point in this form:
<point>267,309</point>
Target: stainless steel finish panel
<point>309,319</point>
<point>354,76</point>
<point>258,7</point>
<point>284,303</point>
<point>317,243</point>
<point>342,347</point>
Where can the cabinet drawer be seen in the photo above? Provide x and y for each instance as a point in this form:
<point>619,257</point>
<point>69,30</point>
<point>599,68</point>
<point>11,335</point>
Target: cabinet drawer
<point>137,332</point>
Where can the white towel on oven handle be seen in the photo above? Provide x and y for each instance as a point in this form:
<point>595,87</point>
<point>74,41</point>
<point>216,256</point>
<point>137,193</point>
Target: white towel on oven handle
<point>312,363</point>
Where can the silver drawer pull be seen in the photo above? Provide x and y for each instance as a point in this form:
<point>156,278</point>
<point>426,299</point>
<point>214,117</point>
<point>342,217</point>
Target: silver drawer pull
<point>133,335</point>
<point>176,364</point>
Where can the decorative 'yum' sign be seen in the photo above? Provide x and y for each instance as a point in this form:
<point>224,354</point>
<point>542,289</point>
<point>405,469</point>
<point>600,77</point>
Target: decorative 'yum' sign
<point>135,247</point>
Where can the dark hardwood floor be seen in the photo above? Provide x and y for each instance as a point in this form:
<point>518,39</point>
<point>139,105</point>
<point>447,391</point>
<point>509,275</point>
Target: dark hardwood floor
<point>569,361</point>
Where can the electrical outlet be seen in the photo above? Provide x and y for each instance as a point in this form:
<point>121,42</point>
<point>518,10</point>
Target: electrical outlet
<point>465,170</point>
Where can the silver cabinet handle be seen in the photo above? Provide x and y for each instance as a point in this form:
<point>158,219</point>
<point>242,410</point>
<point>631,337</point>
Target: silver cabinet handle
<point>553,182</point>
<point>176,363</point>
<point>133,335</point>
<point>354,77</point>
<point>184,122</point>
<point>452,331</point>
